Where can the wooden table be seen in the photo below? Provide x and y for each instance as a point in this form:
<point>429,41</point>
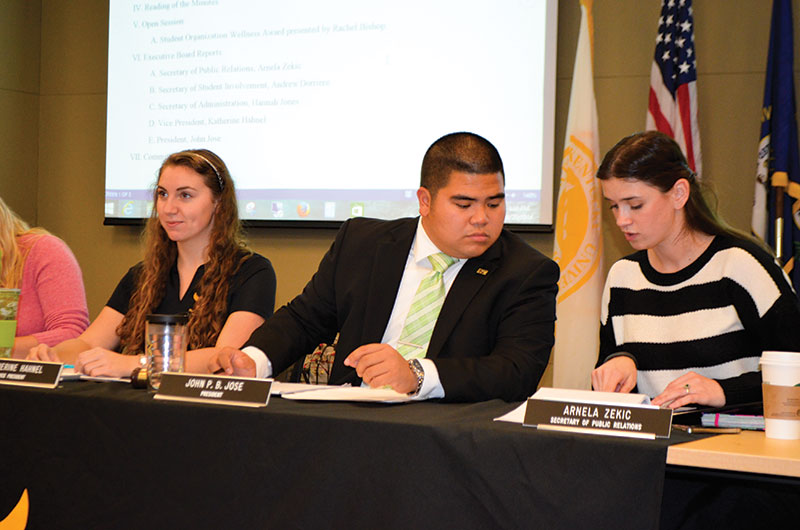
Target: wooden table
<point>749,452</point>
<point>732,481</point>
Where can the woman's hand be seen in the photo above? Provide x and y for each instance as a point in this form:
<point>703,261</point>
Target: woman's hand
<point>103,362</point>
<point>689,388</point>
<point>43,352</point>
<point>615,375</point>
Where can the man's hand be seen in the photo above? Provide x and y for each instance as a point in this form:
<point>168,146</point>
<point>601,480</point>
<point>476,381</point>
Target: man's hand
<point>231,361</point>
<point>380,365</point>
<point>691,387</point>
<point>615,375</point>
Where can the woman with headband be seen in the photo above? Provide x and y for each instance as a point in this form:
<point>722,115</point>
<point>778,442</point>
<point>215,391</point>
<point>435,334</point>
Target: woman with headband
<point>196,262</point>
<point>686,317</point>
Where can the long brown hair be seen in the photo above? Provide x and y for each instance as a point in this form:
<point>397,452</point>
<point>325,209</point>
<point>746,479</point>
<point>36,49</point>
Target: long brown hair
<point>12,255</point>
<point>656,159</point>
<point>226,252</point>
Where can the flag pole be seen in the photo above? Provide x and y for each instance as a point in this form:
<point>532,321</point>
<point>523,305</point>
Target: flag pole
<point>779,223</point>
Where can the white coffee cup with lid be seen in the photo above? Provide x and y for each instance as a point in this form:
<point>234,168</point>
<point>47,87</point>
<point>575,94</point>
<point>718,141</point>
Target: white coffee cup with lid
<point>780,374</point>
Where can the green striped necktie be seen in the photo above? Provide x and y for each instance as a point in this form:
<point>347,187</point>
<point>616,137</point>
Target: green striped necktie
<point>425,307</point>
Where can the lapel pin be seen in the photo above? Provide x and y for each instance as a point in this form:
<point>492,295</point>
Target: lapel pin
<point>482,272</point>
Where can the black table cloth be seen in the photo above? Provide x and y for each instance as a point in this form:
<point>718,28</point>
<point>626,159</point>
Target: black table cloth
<point>103,455</point>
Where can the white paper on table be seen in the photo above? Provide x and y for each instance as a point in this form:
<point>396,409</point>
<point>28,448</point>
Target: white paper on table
<point>69,374</point>
<point>105,378</point>
<point>576,396</point>
<point>515,416</point>
<point>350,393</point>
<point>280,388</point>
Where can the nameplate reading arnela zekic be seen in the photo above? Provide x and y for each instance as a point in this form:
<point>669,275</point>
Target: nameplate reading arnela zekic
<point>29,373</point>
<point>618,420</point>
<point>242,391</point>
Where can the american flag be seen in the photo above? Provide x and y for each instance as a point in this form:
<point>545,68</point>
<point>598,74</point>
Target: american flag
<point>673,80</point>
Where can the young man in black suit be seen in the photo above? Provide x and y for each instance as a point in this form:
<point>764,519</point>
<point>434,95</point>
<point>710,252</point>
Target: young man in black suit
<point>494,331</point>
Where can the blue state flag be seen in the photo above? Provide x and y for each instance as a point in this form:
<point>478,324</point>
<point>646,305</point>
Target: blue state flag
<point>776,209</point>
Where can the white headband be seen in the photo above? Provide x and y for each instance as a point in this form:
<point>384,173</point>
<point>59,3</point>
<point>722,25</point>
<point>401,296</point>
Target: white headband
<point>219,178</point>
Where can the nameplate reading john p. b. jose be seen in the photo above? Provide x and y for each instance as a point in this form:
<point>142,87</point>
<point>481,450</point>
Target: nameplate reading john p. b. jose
<point>38,374</point>
<point>633,421</point>
<point>224,390</point>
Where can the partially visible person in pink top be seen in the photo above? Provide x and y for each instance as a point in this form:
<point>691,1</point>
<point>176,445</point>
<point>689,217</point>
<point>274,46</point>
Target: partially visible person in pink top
<point>52,303</point>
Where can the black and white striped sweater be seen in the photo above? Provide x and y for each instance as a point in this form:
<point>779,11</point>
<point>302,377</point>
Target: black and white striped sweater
<point>714,317</point>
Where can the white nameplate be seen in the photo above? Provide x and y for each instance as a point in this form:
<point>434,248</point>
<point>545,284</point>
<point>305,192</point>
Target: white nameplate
<point>583,411</point>
<point>37,374</point>
<point>220,389</point>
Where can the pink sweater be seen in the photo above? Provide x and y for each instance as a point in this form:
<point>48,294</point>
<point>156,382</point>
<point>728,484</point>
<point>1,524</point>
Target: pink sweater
<point>52,303</point>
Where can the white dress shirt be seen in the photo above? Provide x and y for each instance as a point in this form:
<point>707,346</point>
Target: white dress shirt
<point>417,267</point>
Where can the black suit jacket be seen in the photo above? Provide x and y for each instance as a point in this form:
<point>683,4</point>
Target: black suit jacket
<point>494,333</point>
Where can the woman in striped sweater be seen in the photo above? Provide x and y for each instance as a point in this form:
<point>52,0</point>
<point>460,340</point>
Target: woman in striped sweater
<point>686,317</point>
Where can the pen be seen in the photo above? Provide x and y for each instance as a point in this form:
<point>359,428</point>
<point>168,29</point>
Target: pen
<point>707,430</point>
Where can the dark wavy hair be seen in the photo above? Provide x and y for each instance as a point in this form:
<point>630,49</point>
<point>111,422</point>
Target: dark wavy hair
<point>226,252</point>
<point>656,159</point>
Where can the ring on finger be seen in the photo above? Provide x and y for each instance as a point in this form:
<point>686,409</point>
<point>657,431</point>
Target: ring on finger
<point>686,387</point>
